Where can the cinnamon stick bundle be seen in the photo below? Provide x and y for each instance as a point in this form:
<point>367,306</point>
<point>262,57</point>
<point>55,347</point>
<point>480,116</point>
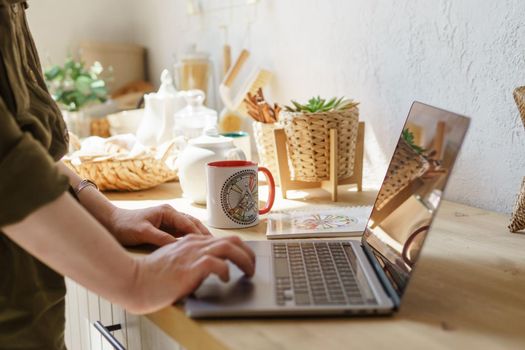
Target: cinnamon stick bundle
<point>260,110</point>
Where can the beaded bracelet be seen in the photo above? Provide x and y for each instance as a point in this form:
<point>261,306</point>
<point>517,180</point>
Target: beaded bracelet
<point>83,184</point>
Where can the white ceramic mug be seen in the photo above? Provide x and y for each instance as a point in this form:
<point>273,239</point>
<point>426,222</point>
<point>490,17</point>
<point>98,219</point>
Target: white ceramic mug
<point>233,193</point>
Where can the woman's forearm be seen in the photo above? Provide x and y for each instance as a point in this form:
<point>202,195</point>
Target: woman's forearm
<point>91,199</point>
<point>66,238</point>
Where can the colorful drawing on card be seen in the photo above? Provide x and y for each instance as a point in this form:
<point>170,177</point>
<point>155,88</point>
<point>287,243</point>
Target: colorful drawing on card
<point>324,222</point>
<point>319,221</point>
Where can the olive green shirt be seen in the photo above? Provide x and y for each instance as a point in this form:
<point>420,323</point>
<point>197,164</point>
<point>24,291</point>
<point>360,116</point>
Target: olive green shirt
<point>32,138</point>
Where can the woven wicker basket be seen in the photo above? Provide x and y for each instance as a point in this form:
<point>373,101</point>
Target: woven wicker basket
<point>308,137</point>
<point>121,173</point>
<point>517,222</point>
<point>519,97</point>
<point>265,143</point>
<point>406,166</point>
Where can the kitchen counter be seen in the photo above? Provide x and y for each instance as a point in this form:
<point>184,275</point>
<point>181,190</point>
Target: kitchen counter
<point>468,290</point>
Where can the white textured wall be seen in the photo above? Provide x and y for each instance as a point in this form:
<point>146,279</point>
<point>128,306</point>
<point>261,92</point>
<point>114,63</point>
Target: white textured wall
<point>58,25</point>
<point>466,56</point>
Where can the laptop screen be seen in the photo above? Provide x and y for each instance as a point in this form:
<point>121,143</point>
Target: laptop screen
<point>412,190</point>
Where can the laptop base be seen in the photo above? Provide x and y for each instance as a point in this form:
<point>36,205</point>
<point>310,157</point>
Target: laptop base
<point>245,297</point>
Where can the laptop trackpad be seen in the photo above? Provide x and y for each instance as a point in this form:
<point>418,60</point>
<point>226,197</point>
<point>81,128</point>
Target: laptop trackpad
<point>240,290</point>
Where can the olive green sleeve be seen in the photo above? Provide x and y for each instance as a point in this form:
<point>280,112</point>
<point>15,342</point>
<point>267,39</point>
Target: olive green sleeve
<point>29,177</point>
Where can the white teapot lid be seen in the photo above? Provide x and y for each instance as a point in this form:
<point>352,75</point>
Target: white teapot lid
<point>166,84</point>
<point>211,138</point>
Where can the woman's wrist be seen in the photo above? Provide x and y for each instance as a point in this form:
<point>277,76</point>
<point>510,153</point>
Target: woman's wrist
<point>137,299</point>
<point>99,206</point>
<point>91,198</point>
<point>83,184</point>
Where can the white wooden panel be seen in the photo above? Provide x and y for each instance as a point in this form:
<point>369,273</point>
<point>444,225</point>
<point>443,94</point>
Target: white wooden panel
<point>119,317</point>
<point>83,313</point>
<point>74,318</point>
<point>154,338</point>
<point>106,317</point>
<point>133,332</point>
<point>94,315</point>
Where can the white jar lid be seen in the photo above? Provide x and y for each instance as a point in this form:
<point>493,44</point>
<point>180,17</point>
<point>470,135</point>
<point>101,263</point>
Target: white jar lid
<point>211,138</point>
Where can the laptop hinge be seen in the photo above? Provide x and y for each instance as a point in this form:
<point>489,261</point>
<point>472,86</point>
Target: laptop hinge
<point>387,286</point>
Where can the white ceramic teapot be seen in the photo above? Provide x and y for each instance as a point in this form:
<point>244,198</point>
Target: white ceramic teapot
<point>207,148</point>
<point>157,125</point>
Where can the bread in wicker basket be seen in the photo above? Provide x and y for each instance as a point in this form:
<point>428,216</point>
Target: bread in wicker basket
<point>308,136</point>
<point>115,174</point>
<point>123,171</point>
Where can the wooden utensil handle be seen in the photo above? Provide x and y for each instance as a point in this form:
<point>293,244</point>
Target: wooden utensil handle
<point>227,56</point>
<point>234,71</point>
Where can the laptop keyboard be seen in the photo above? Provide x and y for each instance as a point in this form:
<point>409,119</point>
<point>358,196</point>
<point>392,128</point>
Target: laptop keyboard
<point>315,273</point>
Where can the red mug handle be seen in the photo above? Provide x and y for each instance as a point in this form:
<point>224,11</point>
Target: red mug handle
<point>271,195</point>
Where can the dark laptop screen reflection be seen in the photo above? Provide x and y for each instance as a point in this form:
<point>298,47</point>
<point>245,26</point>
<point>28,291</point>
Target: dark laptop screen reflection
<point>412,190</point>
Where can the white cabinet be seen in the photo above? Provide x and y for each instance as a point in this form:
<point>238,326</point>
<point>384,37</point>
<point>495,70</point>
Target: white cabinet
<point>83,308</point>
<point>154,338</point>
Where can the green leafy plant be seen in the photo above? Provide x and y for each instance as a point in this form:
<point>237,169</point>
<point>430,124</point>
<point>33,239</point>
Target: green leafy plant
<point>74,86</point>
<point>408,136</point>
<point>318,104</point>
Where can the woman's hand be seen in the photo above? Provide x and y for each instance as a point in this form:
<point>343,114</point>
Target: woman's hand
<point>176,270</point>
<point>159,225</point>
<point>65,237</point>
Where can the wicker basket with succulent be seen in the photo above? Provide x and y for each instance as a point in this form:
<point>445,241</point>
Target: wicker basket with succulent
<point>307,127</point>
<point>408,164</point>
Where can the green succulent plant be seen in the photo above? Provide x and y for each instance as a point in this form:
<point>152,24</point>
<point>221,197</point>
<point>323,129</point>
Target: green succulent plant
<point>408,136</point>
<point>318,104</point>
<point>73,86</point>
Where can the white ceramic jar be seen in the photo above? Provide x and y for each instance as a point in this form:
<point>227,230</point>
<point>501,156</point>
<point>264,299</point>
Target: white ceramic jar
<point>193,119</point>
<point>209,147</point>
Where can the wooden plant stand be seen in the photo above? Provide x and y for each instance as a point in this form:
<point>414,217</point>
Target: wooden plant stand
<point>287,184</point>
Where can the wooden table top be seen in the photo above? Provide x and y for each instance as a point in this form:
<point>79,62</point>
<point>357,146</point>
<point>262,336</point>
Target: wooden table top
<point>468,290</point>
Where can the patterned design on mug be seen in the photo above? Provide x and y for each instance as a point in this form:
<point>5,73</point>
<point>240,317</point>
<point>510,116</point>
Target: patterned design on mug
<point>239,197</point>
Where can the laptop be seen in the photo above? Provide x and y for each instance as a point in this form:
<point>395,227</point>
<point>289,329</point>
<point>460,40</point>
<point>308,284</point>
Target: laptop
<point>351,277</point>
